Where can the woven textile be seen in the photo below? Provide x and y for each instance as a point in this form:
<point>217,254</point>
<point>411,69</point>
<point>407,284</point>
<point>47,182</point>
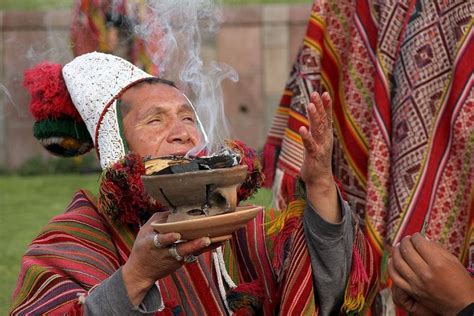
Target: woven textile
<point>80,248</point>
<point>400,74</point>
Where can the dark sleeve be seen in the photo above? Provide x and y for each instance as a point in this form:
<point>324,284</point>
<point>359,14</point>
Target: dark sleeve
<point>111,298</point>
<point>330,249</point>
<point>467,311</point>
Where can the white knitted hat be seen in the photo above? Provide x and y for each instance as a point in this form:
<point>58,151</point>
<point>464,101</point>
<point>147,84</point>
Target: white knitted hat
<point>95,82</point>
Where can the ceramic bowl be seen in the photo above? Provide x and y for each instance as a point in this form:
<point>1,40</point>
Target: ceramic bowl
<point>196,194</point>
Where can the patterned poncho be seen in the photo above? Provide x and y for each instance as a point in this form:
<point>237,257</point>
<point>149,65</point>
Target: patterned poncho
<point>400,74</point>
<point>80,248</point>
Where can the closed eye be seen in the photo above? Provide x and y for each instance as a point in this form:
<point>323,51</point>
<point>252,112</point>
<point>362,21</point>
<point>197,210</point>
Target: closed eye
<point>189,118</point>
<point>154,120</point>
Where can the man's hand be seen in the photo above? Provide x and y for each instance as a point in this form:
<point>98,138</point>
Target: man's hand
<point>431,275</point>
<point>405,301</point>
<point>316,171</point>
<point>147,263</point>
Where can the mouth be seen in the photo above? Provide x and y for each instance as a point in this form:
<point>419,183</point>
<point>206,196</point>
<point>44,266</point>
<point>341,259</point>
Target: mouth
<point>180,153</point>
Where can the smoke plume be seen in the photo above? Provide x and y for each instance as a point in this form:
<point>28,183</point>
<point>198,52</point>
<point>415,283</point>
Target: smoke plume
<point>176,30</point>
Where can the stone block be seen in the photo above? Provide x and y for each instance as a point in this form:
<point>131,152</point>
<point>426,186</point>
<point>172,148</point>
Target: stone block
<point>276,69</point>
<point>242,14</point>
<point>22,49</point>
<point>275,35</point>
<point>296,36</point>
<point>58,19</point>
<point>299,13</point>
<point>245,110</point>
<point>275,13</point>
<point>240,48</point>
<point>14,20</point>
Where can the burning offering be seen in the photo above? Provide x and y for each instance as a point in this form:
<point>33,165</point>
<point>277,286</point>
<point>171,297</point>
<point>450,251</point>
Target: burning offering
<point>201,194</point>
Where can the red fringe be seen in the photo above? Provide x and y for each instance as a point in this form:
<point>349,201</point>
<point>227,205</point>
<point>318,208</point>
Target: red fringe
<point>269,164</point>
<point>359,277</point>
<point>255,178</point>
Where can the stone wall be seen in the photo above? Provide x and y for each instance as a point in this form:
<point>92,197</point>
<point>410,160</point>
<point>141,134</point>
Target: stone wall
<point>260,42</point>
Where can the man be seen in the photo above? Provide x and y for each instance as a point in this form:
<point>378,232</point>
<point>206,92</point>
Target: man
<point>106,259</point>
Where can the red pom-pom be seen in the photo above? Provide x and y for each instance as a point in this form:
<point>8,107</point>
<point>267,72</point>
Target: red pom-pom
<point>50,98</point>
<point>255,177</point>
<point>122,196</point>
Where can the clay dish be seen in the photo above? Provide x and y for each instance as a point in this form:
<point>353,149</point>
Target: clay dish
<point>217,227</point>
<point>196,194</point>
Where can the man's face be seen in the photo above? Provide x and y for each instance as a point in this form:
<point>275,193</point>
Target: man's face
<point>158,121</point>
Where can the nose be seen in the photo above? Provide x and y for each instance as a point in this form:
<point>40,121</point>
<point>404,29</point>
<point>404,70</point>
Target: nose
<point>178,133</point>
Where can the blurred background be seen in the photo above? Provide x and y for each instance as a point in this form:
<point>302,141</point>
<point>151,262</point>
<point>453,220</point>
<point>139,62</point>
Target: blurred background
<point>259,38</point>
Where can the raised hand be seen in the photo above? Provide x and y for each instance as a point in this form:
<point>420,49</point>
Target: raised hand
<point>316,171</point>
<point>318,141</point>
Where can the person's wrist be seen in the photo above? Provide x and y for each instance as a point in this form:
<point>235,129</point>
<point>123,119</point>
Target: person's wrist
<point>320,184</point>
<point>465,299</point>
<point>136,284</point>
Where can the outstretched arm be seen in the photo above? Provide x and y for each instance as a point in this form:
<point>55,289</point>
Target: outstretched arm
<point>328,231</point>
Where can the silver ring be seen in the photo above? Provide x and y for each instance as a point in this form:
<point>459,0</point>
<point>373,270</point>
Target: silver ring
<point>190,258</point>
<point>174,253</point>
<point>156,242</point>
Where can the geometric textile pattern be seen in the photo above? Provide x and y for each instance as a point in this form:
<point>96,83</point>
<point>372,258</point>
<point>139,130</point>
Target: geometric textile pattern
<point>400,74</point>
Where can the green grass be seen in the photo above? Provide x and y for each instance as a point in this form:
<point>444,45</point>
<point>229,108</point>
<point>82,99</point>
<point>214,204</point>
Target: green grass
<point>34,4</point>
<point>26,205</point>
<point>56,4</point>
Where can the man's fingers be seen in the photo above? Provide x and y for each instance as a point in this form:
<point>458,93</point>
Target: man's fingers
<point>401,266</point>
<point>193,246</point>
<point>164,240</point>
<point>313,119</point>
<point>397,278</point>
<point>426,249</point>
<point>411,255</point>
<point>209,248</point>
<point>307,139</point>
<point>327,104</point>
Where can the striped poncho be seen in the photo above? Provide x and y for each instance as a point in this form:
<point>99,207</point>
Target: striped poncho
<point>80,248</point>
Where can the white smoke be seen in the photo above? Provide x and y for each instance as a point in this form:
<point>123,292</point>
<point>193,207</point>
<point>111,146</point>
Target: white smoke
<point>177,29</point>
<point>4,92</point>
